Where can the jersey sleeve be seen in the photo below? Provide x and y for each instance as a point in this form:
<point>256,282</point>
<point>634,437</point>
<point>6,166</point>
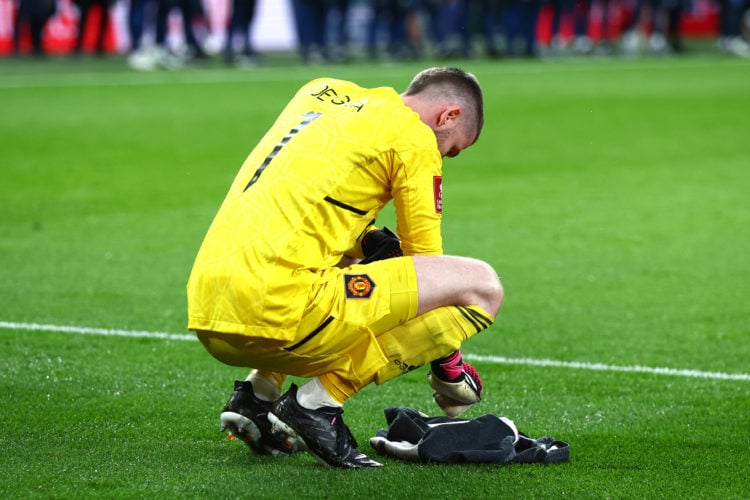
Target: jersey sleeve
<point>417,193</point>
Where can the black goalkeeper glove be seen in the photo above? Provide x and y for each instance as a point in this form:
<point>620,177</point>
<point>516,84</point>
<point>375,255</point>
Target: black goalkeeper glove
<point>380,244</point>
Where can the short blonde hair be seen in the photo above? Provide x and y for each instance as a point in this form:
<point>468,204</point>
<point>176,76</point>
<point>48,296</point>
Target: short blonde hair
<point>455,84</point>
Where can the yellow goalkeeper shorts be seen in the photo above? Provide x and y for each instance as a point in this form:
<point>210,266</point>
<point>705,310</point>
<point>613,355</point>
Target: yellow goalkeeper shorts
<point>345,311</point>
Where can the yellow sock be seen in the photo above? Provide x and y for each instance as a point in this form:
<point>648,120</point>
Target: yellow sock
<point>278,378</point>
<point>432,335</point>
<point>339,389</point>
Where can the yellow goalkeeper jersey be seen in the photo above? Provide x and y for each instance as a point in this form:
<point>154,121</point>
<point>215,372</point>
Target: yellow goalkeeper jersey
<point>318,178</point>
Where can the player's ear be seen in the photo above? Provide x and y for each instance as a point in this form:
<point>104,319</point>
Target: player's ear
<point>448,117</point>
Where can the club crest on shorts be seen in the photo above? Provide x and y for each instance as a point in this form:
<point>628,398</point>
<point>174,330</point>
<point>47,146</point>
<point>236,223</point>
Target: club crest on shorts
<point>358,286</point>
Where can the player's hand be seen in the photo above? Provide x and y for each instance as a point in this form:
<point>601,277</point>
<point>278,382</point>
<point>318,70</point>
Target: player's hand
<point>454,398</point>
<point>380,244</point>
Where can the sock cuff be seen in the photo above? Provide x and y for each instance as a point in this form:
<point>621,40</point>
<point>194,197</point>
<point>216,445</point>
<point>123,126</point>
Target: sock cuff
<point>314,394</point>
<point>476,316</point>
<point>265,387</point>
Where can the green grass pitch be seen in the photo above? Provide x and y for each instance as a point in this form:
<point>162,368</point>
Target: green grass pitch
<point>612,196</point>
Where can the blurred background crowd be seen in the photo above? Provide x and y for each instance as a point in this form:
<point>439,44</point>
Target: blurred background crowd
<point>172,33</point>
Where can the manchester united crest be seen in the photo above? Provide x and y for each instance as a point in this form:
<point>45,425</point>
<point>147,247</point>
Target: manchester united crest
<point>358,286</point>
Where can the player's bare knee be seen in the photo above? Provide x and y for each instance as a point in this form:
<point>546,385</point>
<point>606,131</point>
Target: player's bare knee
<point>492,293</point>
<point>450,280</point>
<point>485,289</point>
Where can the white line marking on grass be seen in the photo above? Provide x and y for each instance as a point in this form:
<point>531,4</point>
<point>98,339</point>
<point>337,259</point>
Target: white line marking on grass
<point>473,357</point>
<point>96,331</point>
<point>607,368</point>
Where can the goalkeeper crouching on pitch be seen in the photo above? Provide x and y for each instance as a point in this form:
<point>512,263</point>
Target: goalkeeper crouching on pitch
<point>294,279</point>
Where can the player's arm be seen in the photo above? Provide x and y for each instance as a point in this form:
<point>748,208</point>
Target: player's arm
<point>417,193</point>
